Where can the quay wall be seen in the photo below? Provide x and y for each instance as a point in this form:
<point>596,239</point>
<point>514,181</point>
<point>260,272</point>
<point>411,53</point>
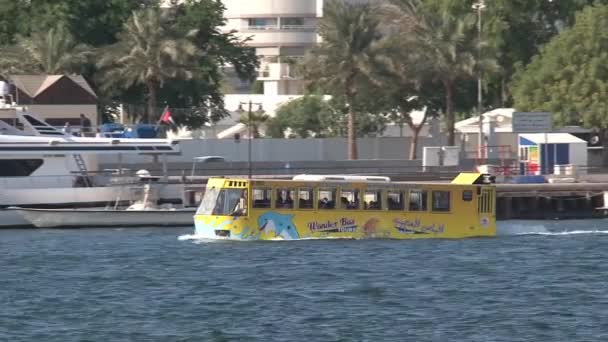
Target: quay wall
<point>551,201</point>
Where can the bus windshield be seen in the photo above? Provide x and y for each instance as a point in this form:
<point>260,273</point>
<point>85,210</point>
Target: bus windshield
<point>224,202</point>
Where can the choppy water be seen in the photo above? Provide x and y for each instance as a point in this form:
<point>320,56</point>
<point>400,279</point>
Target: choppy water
<point>538,281</point>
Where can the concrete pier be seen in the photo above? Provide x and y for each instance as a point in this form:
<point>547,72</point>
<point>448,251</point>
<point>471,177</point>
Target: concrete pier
<point>551,201</point>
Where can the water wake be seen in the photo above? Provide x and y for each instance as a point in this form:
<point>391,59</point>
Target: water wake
<point>199,238</point>
<point>520,228</point>
<point>537,228</point>
<point>187,237</point>
<point>573,232</point>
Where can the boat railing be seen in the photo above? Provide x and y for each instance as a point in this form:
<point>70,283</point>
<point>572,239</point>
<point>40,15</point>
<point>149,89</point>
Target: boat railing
<point>76,180</point>
<point>49,181</point>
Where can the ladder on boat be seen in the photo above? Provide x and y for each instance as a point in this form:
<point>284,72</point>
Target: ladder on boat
<point>82,167</point>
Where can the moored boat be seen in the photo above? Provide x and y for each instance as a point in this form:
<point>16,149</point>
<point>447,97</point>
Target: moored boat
<point>44,168</point>
<point>350,207</point>
<point>143,213</point>
<point>93,218</point>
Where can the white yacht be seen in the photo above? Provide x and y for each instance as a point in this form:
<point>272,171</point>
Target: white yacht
<point>41,167</point>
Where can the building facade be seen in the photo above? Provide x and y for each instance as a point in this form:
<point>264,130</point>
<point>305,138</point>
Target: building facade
<point>281,31</point>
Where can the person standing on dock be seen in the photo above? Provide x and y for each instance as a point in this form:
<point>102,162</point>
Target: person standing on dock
<point>67,129</point>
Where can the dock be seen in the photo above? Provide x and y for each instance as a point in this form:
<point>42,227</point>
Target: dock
<point>551,201</point>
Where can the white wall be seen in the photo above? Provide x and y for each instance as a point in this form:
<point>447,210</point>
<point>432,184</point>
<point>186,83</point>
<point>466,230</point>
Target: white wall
<point>578,154</point>
<point>330,149</point>
<point>262,8</point>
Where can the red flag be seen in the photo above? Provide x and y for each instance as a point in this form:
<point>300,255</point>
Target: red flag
<point>166,117</point>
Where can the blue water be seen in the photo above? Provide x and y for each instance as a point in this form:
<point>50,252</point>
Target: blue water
<point>538,281</point>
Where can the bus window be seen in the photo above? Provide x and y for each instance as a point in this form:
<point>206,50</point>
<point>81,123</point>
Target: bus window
<point>418,200</point>
<point>240,207</point>
<point>261,198</point>
<point>305,198</point>
<point>395,200</point>
<point>441,201</point>
<point>284,199</point>
<point>467,195</point>
<point>327,198</point>
<point>373,200</point>
<point>349,199</point>
<point>224,202</point>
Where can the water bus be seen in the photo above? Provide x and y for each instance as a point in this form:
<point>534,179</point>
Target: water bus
<point>350,207</point>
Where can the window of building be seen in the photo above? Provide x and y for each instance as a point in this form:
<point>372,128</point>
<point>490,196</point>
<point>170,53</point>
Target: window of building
<point>261,197</point>
<point>349,199</point>
<point>373,199</point>
<point>19,167</point>
<point>395,200</point>
<point>261,23</point>
<point>441,200</point>
<point>305,198</point>
<point>418,200</point>
<point>291,23</point>
<point>284,198</point>
<point>327,198</point>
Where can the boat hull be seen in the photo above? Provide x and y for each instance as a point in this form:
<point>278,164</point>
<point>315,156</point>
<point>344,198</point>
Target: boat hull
<point>70,218</point>
<point>286,225</point>
<point>10,219</point>
<point>94,199</point>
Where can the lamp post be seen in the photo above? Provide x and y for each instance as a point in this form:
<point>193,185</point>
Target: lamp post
<point>479,6</point>
<point>249,112</point>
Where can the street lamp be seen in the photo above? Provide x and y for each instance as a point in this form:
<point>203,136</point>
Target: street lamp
<point>249,112</point>
<point>479,6</point>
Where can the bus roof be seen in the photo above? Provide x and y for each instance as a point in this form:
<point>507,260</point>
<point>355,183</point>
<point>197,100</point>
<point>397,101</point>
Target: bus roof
<point>342,178</point>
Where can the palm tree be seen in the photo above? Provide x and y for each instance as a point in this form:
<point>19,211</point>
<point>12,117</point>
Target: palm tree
<point>55,51</point>
<point>342,60</point>
<point>442,39</point>
<point>147,53</point>
<point>253,123</point>
<point>401,72</point>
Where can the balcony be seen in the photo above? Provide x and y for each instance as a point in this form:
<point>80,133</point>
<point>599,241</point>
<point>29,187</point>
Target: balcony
<point>306,28</point>
<point>260,27</point>
<point>276,71</point>
<point>274,37</point>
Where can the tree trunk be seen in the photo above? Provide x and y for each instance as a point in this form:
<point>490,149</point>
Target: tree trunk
<point>414,144</point>
<point>449,111</point>
<point>352,134</point>
<point>352,129</point>
<point>152,104</point>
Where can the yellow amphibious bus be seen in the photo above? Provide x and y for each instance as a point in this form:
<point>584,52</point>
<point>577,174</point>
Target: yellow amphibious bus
<point>350,207</point>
